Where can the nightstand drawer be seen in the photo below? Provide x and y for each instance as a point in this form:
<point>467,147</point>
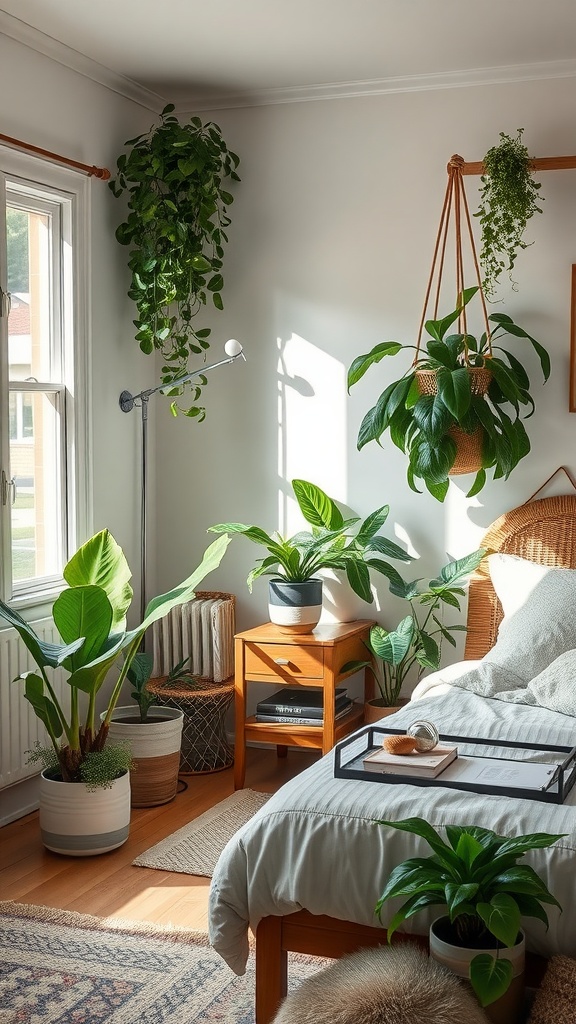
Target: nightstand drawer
<point>284,661</point>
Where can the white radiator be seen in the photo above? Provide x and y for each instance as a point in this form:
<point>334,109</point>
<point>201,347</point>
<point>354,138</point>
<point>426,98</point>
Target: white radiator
<point>203,630</point>
<point>19,726</point>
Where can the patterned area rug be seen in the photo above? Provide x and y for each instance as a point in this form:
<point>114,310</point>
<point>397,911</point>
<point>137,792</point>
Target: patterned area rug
<point>58,967</point>
<point>195,848</point>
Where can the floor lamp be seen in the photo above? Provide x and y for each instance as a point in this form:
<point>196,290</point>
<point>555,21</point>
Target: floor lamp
<point>233,351</point>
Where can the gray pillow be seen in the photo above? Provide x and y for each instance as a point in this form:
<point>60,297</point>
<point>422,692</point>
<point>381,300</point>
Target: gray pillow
<point>555,687</point>
<point>539,623</point>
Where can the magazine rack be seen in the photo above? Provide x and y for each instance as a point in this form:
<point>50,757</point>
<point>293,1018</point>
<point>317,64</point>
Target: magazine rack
<point>349,754</point>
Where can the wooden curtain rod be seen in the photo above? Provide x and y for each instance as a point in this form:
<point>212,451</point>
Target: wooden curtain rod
<point>96,172</point>
<point>544,163</point>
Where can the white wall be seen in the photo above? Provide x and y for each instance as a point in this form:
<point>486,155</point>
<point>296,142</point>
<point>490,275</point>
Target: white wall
<point>331,243</point>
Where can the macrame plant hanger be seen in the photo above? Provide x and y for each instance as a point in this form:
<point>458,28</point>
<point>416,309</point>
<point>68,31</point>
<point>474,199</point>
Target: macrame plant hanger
<point>469,454</point>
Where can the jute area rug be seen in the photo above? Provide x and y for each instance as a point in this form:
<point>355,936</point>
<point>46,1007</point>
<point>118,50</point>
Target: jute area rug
<point>58,967</point>
<point>195,848</point>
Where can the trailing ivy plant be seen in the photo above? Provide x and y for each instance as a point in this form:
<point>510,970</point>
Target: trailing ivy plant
<point>509,197</point>
<point>174,176</point>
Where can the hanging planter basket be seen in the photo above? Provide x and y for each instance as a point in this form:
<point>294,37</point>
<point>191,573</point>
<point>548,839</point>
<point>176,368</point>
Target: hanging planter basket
<point>468,446</point>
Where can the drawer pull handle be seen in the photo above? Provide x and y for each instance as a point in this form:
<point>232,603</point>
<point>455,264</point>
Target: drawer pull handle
<point>281,661</point>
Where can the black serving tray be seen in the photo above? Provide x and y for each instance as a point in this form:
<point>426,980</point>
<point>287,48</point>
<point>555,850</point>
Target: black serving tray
<point>350,752</point>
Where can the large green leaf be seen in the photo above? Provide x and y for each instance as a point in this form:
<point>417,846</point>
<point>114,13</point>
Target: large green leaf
<point>490,977</point>
<point>101,562</point>
<point>372,524</point>
<point>363,363</point>
<point>358,577</point>
<point>432,417</point>
<point>454,390</point>
<point>501,916</point>
<point>43,653</point>
<point>83,612</point>
<point>316,507</point>
<point>43,706</point>
<point>458,893</point>
<point>459,569</point>
<point>420,827</point>
<point>161,605</point>
<point>392,647</point>
<point>253,533</point>
<point>387,547</point>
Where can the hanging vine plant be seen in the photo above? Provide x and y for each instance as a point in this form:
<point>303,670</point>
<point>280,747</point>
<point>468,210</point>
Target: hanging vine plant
<point>176,228</point>
<point>509,197</point>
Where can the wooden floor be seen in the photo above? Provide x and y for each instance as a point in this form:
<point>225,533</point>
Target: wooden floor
<point>108,885</point>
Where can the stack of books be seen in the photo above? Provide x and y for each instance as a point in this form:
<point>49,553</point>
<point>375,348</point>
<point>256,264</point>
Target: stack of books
<point>426,765</point>
<point>300,706</point>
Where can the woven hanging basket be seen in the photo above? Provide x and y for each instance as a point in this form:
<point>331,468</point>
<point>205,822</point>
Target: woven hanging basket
<point>468,446</point>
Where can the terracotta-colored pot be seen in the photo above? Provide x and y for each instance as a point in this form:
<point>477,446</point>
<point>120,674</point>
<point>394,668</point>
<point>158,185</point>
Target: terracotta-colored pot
<point>374,710</point>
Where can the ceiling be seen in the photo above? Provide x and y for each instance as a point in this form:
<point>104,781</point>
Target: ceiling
<point>231,52</point>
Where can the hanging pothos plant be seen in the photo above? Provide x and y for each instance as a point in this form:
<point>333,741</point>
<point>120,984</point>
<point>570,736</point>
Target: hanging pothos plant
<point>176,228</point>
<point>509,197</point>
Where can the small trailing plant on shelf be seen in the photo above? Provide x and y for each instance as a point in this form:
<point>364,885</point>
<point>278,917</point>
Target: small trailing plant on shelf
<point>509,197</point>
<point>417,639</point>
<point>175,179</point>
<point>458,390</point>
<point>334,542</point>
<point>486,893</point>
<point>90,616</point>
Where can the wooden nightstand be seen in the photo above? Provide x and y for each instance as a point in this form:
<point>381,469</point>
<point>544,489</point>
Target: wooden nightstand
<point>266,655</point>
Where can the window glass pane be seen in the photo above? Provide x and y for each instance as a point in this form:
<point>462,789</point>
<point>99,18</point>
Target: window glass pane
<point>36,472</point>
<point>29,243</point>
<point>13,417</point>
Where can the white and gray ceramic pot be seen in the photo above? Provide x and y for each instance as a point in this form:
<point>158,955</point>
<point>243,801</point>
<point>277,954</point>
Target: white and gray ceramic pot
<point>295,607</point>
<point>80,822</point>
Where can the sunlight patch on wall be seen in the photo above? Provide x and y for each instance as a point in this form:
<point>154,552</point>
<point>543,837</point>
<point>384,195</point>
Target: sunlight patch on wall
<point>461,534</point>
<point>311,423</point>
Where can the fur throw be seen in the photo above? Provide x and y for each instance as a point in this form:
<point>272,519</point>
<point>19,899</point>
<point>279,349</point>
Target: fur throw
<point>385,985</point>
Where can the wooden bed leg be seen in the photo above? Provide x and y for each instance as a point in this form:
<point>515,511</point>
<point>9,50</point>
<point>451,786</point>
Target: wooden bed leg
<point>271,969</point>
<point>281,750</point>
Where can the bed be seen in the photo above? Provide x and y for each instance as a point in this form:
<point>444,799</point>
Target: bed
<point>305,873</point>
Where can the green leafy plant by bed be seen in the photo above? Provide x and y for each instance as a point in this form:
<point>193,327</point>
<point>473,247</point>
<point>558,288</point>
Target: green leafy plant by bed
<point>427,426</point>
<point>475,876</point>
<point>509,197</point>
<point>174,176</point>
<point>417,639</point>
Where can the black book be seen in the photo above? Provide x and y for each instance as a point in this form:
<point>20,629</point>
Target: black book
<point>304,720</point>
<point>304,702</point>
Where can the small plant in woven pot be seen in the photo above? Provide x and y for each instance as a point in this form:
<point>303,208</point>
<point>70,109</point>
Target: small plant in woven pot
<point>509,197</point>
<point>459,390</point>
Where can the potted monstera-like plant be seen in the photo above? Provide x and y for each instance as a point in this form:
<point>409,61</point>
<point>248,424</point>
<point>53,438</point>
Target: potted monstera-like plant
<point>459,406</point>
<point>84,785</point>
<point>475,877</point>
<point>350,545</point>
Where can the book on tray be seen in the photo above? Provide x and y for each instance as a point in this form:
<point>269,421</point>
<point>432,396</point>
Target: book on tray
<point>302,701</point>
<point>426,765</point>
<point>300,719</point>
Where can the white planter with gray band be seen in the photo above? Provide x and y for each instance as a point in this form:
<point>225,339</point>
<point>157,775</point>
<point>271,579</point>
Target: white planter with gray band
<point>80,822</point>
<point>295,607</point>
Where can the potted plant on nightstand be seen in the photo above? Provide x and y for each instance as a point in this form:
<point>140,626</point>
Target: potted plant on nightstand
<point>84,787</point>
<point>350,545</point>
<point>417,639</point>
<point>486,893</point>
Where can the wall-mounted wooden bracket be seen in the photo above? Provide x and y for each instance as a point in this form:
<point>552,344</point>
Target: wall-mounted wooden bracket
<point>543,163</point>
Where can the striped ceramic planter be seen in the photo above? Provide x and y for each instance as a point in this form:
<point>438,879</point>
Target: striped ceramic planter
<point>80,822</point>
<point>295,607</point>
<point>155,748</point>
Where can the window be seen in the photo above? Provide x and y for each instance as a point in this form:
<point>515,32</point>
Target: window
<point>42,401</point>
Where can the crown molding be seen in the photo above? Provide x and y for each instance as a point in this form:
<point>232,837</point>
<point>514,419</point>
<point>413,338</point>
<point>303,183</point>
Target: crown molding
<point>385,86</point>
<point>75,61</point>
<point>131,90</point>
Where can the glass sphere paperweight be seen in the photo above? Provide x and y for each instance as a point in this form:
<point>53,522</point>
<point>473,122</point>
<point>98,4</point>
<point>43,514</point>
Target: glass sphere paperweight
<point>424,734</point>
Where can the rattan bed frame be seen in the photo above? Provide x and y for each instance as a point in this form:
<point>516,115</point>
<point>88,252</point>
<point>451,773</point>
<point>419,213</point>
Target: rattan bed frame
<point>543,531</point>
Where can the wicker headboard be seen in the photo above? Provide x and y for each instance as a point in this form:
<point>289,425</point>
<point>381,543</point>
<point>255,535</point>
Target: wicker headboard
<point>543,531</point>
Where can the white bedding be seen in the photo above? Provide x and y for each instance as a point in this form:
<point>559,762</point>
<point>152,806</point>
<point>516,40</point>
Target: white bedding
<point>315,844</point>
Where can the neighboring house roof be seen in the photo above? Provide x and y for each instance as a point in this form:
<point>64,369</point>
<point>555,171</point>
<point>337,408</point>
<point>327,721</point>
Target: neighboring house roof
<point>19,319</point>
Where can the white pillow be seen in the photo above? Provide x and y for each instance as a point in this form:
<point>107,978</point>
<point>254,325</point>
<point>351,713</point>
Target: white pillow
<point>555,687</point>
<point>539,623</point>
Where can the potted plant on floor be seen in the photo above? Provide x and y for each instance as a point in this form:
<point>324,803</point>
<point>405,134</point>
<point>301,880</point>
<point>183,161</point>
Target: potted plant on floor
<point>417,639</point>
<point>457,409</point>
<point>475,876</point>
<point>175,177</point>
<point>350,545</point>
<point>509,197</point>
<point>84,787</point>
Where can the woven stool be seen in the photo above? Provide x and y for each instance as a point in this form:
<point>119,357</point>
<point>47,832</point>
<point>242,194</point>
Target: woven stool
<point>205,747</point>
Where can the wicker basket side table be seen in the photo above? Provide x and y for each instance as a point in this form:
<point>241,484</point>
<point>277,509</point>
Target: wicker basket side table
<point>205,747</point>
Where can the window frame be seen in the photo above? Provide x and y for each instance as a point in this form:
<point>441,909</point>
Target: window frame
<point>70,191</point>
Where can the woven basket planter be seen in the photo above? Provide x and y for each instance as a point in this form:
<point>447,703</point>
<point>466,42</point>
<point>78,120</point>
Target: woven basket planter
<point>204,748</point>
<point>468,446</point>
<point>155,747</point>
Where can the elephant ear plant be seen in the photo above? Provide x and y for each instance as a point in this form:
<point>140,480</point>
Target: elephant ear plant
<point>90,616</point>
<point>352,545</point>
<point>457,386</point>
<point>175,178</point>
<point>475,876</point>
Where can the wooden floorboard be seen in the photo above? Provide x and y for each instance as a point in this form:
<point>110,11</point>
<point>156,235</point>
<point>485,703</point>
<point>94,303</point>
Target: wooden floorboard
<point>108,885</point>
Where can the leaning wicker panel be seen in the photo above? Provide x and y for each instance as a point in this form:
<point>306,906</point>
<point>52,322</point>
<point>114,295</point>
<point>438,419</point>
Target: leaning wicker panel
<point>542,531</point>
